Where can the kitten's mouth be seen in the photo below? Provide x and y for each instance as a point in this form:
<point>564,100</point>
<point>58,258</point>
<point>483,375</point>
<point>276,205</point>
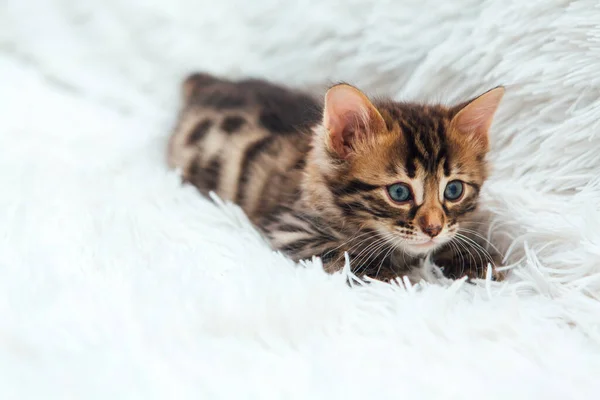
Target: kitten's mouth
<point>425,243</point>
<point>425,246</point>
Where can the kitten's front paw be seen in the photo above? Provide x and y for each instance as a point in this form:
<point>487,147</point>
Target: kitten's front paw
<point>481,273</point>
<point>457,265</point>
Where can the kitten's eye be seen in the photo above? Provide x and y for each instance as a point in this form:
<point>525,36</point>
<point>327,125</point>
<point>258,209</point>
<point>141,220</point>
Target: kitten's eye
<point>453,190</point>
<point>399,192</point>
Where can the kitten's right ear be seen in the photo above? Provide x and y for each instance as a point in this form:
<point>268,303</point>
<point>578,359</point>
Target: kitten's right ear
<point>350,118</point>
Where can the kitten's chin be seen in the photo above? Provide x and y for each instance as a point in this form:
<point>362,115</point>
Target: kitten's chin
<point>425,247</point>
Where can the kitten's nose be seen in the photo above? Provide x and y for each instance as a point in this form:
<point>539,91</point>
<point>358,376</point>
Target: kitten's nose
<point>432,230</point>
<point>430,226</point>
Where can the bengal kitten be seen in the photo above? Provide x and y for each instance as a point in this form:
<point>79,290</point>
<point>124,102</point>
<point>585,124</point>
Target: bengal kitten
<point>386,182</point>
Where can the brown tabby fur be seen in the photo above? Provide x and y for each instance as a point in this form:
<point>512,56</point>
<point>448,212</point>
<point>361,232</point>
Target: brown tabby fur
<point>268,149</point>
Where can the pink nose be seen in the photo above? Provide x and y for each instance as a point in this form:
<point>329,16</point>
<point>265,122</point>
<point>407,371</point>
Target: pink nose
<point>431,222</point>
<point>432,230</point>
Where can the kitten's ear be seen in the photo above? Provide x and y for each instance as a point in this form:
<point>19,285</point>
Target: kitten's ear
<point>475,117</point>
<point>350,118</point>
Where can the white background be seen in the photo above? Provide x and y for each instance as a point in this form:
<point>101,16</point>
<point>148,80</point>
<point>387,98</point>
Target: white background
<point>117,282</point>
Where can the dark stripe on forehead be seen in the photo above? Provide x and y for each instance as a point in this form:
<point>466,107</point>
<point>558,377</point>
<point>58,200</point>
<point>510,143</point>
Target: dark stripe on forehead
<point>412,153</point>
<point>442,159</point>
<point>435,132</point>
<point>411,166</point>
<point>421,145</point>
<point>425,132</point>
<point>447,165</point>
<point>443,155</point>
<point>441,131</point>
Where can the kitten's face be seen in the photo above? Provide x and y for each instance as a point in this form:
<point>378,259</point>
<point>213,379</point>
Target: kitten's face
<point>421,182</point>
<point>410,172</point>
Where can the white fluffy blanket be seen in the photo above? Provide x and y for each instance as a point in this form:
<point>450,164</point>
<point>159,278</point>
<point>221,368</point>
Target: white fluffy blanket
<point>117,282</point>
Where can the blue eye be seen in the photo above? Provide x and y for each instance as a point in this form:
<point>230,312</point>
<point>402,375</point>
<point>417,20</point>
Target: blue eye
<point>453,190</point>
<point>399,192</point>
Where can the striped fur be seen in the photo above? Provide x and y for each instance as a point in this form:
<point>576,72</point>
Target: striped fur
<point>274,151</point>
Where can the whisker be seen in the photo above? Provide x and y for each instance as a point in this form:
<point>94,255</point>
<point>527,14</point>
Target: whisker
<point>470,244</point>
<point>367,250</point>
<point>392,249</point>
<point>477,246</point>
<point>356,236</point>
<point>378,238</point>
<point>461,257</point>
<point>457,251</point>
<point>403,254</point>
<point>480,250</point>
<point>462,249</point>
<point>480,237</point>
<point>358,245</point>
<point>463,246</point>
<point>490,224</point>
<point>374,251</point>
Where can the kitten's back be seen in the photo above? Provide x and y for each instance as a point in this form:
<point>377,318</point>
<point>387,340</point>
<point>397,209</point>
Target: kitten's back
<point>245,140</point>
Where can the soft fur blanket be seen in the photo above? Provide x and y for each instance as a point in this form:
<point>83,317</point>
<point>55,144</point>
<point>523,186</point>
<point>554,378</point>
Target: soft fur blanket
<point>118,282</point>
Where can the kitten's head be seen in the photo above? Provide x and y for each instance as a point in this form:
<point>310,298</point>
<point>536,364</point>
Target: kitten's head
<point>409,172</point>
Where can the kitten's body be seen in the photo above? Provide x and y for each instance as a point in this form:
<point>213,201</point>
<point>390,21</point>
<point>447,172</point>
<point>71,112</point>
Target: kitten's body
<point>274,152</point>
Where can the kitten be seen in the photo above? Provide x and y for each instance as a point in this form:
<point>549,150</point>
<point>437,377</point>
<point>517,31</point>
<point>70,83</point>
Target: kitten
<point>387,182</point>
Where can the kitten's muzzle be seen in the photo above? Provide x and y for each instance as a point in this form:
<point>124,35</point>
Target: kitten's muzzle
<point>432,230</point>
<point>430,225</point>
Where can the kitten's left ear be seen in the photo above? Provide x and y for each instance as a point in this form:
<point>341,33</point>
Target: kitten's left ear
<point>475,118</point>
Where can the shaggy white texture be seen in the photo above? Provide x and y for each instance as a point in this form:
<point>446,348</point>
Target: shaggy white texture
<point>117,282</point>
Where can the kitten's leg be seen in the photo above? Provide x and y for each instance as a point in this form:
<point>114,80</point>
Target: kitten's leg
<point>362,263</point>
<point>301,236</point>
<point>458,261</point>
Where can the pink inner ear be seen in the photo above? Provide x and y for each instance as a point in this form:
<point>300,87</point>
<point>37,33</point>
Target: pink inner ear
<point>341,133</point>
<point>477,116</point>
<point>344,105</point>
<point>346,114</point>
